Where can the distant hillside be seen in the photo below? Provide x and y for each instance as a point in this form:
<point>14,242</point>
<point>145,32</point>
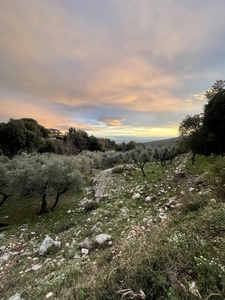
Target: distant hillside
<point>161,143</point>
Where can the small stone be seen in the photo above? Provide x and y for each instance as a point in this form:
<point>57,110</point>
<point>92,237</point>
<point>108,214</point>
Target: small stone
<point>212,200</point>
<point>49,295</point>
<point>5,257</point>
<point>136,196</point>
<point>36,267</point>
<point>84,251</point>
<point>148,199</point>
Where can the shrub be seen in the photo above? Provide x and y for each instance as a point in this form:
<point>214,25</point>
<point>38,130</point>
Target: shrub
<point>118,170</point>
<point>92,205</point>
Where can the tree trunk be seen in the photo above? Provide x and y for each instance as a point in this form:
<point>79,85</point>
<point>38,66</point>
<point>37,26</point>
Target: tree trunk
<point>43,209</point>
<point>57,197</point>
<point>4,198</point>
<point>163,162</point>
<point>143,172</point>
<point>193,159</point>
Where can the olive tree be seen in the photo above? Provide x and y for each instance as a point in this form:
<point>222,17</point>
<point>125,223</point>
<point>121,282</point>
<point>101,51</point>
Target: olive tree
<point>95,157</point>
<point>112,158</point>
<point>66,176</point>
<point>43,174</point>
<point>141,155</point>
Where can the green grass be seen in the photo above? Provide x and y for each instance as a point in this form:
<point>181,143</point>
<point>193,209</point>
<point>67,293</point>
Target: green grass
<point>159,258</point>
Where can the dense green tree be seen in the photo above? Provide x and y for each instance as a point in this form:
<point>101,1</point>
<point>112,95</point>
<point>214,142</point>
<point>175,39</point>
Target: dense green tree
<point>193,136</point>
<point>4,179</point>
<point>214,122</point>
<point>12,137</point>
<point>49,145</point>
<point>190,124</point>
<point>21,135</point>
<point>94,144</point>
<point>78,138</point>
<point>204,133</point>
<point>218,87</point>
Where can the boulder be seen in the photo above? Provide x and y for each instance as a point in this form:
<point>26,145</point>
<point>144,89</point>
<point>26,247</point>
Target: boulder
<point>199,180</point>
<point>16,297</point>
<point>101,238</point>
<point>46,244</point>
<point>86,244</point>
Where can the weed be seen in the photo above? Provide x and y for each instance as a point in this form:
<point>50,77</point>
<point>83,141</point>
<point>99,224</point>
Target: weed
<point>153,259</point>
<point>92,205</point>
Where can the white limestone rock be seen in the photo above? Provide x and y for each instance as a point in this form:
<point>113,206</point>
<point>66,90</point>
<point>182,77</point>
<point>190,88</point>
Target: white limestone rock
<point>148,199</point>
<point>136,196</point>
<point>101,238</point>
<point>46,244</point>
<point>16,297</point>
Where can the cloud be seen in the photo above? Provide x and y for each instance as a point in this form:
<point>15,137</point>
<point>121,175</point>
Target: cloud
<point>67,63</point>
<point>200,96</point>
<point>112,121</point>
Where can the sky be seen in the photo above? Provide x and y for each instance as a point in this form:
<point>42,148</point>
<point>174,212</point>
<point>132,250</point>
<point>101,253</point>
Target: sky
<point>119,69</point>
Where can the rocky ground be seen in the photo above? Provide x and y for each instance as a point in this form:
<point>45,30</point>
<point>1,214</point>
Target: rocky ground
<point>37,257</point>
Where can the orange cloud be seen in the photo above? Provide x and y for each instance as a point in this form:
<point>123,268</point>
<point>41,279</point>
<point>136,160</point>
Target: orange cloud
<point>111,121</point>
<point>43,115</point>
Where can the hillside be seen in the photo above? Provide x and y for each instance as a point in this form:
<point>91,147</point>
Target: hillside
<point>124,237</point>
<point>161,143</point>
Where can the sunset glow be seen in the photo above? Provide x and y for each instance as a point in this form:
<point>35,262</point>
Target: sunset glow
<point>124,70</point>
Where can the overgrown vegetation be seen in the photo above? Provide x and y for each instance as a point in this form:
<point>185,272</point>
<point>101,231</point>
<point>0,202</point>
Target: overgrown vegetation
<point>151,257</point>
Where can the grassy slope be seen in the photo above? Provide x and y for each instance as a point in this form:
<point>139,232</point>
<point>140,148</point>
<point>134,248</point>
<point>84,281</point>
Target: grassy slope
<point>157,258</point>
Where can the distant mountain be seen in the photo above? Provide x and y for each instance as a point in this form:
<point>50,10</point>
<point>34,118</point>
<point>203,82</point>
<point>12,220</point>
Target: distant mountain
<point>161,143</point>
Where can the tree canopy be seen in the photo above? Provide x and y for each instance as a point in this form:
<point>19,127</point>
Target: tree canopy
<point>204,133</point>
<point>21,135</point>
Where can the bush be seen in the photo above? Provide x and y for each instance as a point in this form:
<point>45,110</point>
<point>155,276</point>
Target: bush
<point>89,206</point>
<point>118,170</point>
